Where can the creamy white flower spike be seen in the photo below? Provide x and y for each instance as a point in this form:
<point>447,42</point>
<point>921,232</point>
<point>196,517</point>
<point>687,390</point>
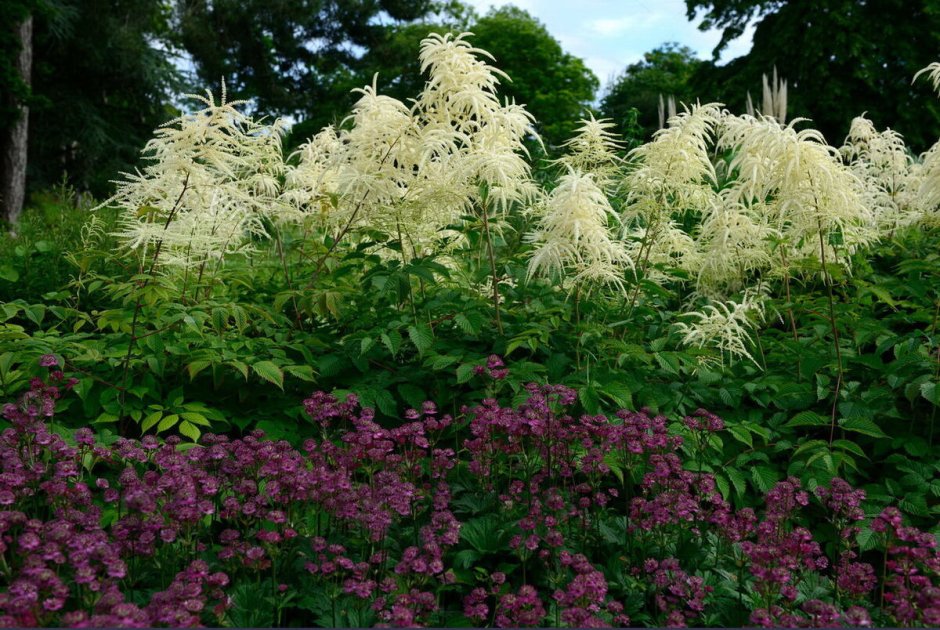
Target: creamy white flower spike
<point>573,238</point>
<point>927,173</point>
<point>725,326</point>
<point>414,171</point>
<point>212,182</point>
<point>794,183</point>
<point>886,168</point>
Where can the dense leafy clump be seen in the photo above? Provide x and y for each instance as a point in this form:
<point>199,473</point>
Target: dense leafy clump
<point>503,515</point>
<point>415,252</point>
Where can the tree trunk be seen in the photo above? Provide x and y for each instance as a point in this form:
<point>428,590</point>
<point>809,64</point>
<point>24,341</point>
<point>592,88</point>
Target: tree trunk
<point>13,143</point>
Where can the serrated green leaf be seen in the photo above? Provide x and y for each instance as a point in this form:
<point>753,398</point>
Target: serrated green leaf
<point>737,479</point>
<point>421,336</point>
<point>392,340</point>
<point>189,431</point>
<point>196,418</point>
<point>269,372</point>
<point>196,367</point>
<point>303,372</point>
<point>931,392</point>
<point>863,426</point>
<point>464,372</point>
<point>168,422</point>
<point>412,394</point>
<point>589,399</point>
<point>850,446</point>
<point>240,366</point>
<point>151,420</point>
<point>764,478</point>
<point>741,435</point>
<point>464,323</point>
<point>808,419</point>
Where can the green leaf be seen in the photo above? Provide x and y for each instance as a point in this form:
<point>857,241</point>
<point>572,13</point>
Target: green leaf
<point>464,323</point>
<point>764,478</point>
<point>808,419</point>
<point>412,394</point>
<point>303,372</point>
<point>850,446</point>
<point>8,273</point>
<point>863,426</point>
<point>485,534</point>
<point>151,420</point>
<point>167,423</point>
<point>737,479</point>
<point>196,418</point>
<point>241,367</point>
<point>189,431</point>
<point>106,418</point>
<point>741,435</point>
<point>464,372</point>
<point>931,392</point>
<point>392,341</point>
<point>269,372</point>
<point>421,336</point>
<point>196,367</point>
<point>589,399</point>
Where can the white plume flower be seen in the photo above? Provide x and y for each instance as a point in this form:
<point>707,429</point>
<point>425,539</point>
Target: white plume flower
<point>414,171</point>
<point>794,182</point>
<point>594,149</point>
<point>213,179</point>
<point>573,237</point>
<point>927,173</point>
<point>725,326</point>
<point>885,167</point>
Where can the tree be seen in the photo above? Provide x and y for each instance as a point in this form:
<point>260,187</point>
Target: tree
<point>17,60</point>
<point>840,57</point>
<point>103,80</point>
<point>665,71</point>
<point>555,86</point>
<point>289,57</point>
<point>99,83</point>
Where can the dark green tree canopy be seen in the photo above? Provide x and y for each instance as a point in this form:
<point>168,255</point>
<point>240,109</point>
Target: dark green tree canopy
<point>555,87</point>
<point>286,55</point>
<point>840,57</point>
<point>667,70</point>
<point>102,78</point>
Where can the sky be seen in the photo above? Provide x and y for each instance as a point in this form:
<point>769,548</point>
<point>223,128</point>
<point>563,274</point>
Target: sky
<point>609,35</point>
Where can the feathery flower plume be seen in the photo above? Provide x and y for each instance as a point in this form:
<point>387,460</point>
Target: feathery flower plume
<point>885,166</point>
<point>794,182</point>
<point>212,181</point>
<point>594,149</point>
<point>573,234</point>
<point>928,171</point>
<point>725,326</point>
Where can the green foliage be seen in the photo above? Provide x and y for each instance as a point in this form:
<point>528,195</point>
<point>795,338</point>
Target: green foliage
<point>665,71</point>
<point>555,86</point>
<point>35,259</point>
<point>840,58</point>
<point>292,58</point>
<point>102,80</point>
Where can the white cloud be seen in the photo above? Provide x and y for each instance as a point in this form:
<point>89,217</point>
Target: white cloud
<point>614,27</point>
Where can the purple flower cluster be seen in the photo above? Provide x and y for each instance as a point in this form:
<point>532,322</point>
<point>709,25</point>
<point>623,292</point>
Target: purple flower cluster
<point>679,596</point>
<point>912,589</point>
<point>144,532</point>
